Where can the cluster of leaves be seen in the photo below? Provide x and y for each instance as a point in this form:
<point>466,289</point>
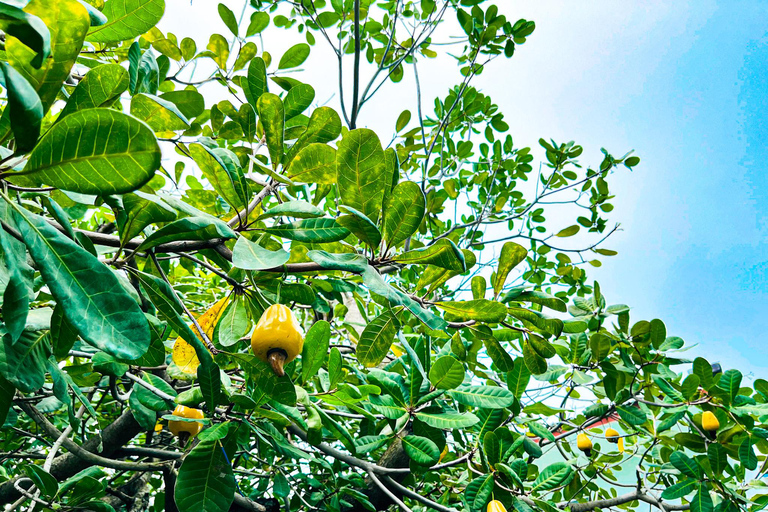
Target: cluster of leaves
<point>431,375</point>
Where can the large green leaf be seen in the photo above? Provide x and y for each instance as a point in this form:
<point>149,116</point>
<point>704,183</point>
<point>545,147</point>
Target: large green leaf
<point>16,293</point>
<point>272,116</point>
<point>295,208</point>
<point>295,56</point>
<point>28,29</point>
<point>188,228</point>
<point>632,415</point>
<point>747,455</point>
<point>479,492</point>
<point>256,83</point>
<point>141,210</point>
<point>100,87</point>
<point>298,99</point>
<point>24,363</point>
<point>68,21</point>
<point>316,163</point>
<point>127,19</point>
<point>189,102</point>
<point>444,254</point>
<point>224,174</point>
<point>512,255</point>
<point>446,373</point>
<point>315,349</point>
<point>161,115</point>
<point>702,501</point>
<point>377,338</point>
<point>24,108</point>
<point>233,324</point>
<point>448,420</point>
<point>277,388</point>
<point>206,482</point>
<point>685,464</point>
<point>517,379</point>
<point>94,301</point>
<point>730,381</point>
<point>421,450</point>
<point>680,489</point>
<point>324,126</point>
<point>553,476</point>
<point>361,226</point>
<point>252,256</point>
<point>347,261</point>
<point>485,397</point>
<point>360,172</point>
<point>403,212</point>
<point>95,151</point>
<point>482,310</point>
<point>319,231</point>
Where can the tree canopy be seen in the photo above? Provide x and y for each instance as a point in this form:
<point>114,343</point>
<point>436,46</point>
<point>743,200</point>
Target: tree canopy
<point>159,198</point>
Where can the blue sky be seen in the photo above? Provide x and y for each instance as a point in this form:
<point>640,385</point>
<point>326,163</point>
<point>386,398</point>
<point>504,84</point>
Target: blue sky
<point>683,84</point>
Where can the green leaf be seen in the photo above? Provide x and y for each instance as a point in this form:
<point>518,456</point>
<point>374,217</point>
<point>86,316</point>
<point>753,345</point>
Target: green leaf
<point>421,450</point>
<point>632,415</point>
<point>233,324</point>
<point>209,377</point>
<point>7,392</point>
<point>541,431</point>
<point>680,489</point>
<point>316,163</point>
<point>142,210</point>
<point>63,335</point>
<point>16,293</point>
<point>360,172</point>
<point>478,492</point>
<point>324,126</point>
<point>256,83</point>
<point>259,21</point>
<point>747,455</point>
<point>108,365</point>
<point>24,107</point>
<point>272,116</point>
<point>348,262</point>
<point>143,70</point>
<point>24,362</point>
<point>295,56</point>
<point>482,310</point>
<point>718,458</point>
<point>28,29</point>
<point>43,480</point>
<point>498,355</point>
<point>702,501</point>
<point>511,255</point>
<point>67,22</point>
<point>94,301</point>
<point>542,347</point>
<point>95,151</point>
<point>376,339</point>
<point>252,256</point>
<point>279,389</point>
<point>517,379</point>
<point>151,400</point>
<point>730,381</point>
<point>222,170</point>
<point>360,226</point>
<point>206,481</point>
<point>553,476</point>
<point>298,99</point>
<point>188,228</point>
<point>484,397</point>
<point>315,349</point>
<point>228,17</point>
<point>446,373</point>
<point>569,231</point>
<point>295,208</point>
<point>533,361</point>
<point>448,420</point>
<point>319,231</point>
<point>403,212</point>
<point>546,300</point>
<point>670,422</point>
<point>703,370</point>
<point>444,254</point>
<point>127,19</point>
<point>159,114</point>
<point>190,103</point>
<point>368,444</point>
<point>685,464</point>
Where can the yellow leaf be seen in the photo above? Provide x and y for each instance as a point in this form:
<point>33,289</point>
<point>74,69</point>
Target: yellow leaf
<point>184,355</point>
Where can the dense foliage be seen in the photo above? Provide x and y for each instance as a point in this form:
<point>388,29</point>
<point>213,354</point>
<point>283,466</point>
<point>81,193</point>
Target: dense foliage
<point>146,228</point>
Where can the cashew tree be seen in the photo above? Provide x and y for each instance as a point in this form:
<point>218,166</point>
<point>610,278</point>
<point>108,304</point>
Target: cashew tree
<point>220,293</point>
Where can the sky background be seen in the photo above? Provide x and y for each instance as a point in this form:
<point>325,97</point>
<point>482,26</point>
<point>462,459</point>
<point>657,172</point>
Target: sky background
<point>683,84</point>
